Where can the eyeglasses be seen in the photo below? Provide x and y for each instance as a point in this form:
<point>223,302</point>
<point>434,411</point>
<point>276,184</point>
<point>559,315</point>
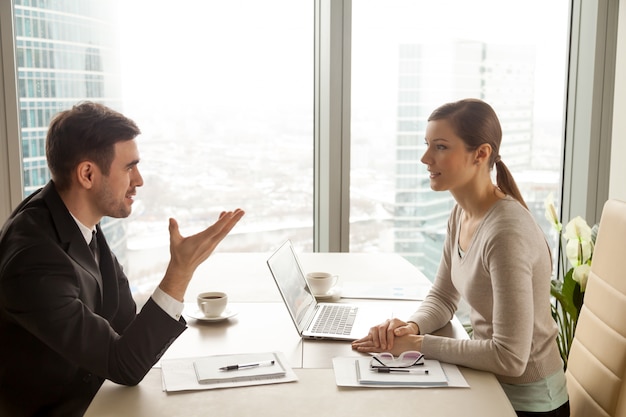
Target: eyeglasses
<point>405,360</point>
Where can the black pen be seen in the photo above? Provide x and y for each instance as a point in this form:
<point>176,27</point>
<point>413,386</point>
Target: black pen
<point>246,365</point>
<point>407,371</point>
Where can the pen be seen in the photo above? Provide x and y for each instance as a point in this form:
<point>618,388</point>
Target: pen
<point>379,361</point>
<point>246,365</point>
<point>407,371</point>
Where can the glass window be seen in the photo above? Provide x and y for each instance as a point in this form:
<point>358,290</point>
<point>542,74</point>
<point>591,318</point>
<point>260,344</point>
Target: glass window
<point>223,94</point>
<point>410,57</point>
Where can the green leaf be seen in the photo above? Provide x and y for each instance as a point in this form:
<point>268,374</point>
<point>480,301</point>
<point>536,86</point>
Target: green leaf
<point>568,294</point>
<point>577,298</point>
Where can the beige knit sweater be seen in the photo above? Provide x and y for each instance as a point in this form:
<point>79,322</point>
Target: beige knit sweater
<point>504,275</point>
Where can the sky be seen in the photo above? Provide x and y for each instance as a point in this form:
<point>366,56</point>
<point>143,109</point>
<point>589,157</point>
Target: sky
<point>181,42</point>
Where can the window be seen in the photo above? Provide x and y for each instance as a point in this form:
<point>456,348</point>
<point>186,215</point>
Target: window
<point>257,69</point>
<point>223,94</point>
<point>410,57</point>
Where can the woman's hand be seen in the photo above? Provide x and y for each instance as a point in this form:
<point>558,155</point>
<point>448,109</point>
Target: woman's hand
<point>391,336</point>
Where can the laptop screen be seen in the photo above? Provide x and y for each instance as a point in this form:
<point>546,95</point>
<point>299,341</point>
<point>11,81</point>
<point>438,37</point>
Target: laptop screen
<point>291,283</point>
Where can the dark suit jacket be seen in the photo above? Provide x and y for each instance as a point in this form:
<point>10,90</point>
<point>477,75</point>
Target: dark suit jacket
<point>65,324</point>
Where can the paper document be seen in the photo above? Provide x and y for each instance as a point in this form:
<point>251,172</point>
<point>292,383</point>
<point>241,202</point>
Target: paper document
<point>180,374</point>
<point>386,291</point>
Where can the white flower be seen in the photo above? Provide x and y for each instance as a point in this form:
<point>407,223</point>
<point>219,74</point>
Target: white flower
<point>577,228</point>
<point>581,274</point>
<point>579,246</point>
<point>569,289</point>
<point>551,213</point>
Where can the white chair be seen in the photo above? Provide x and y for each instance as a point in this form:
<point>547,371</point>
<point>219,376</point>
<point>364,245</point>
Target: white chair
<point>596,369</point>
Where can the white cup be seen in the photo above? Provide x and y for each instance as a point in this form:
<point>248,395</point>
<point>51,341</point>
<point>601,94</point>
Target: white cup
<point>321,282</point>
<point>212,303</point>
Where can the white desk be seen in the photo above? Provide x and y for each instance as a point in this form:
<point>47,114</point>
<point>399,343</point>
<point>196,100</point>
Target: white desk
<point>263,324</point>
<point>246,277</point>
<point>314,394</point>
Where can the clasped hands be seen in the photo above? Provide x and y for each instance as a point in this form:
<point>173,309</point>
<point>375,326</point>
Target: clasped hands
<point>394,336</point>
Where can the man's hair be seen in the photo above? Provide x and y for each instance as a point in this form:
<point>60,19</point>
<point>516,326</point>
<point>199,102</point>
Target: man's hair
<point>87,131</point>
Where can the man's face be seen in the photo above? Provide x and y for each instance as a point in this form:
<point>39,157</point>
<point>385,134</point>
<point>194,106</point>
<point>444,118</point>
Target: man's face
<point>117,190</point>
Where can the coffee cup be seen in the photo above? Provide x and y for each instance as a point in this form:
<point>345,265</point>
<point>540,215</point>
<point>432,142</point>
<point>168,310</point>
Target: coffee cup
<point>212,303</point>
<point>321,282</point>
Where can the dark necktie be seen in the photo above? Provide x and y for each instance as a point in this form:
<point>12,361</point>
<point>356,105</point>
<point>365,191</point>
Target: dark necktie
<point>93,245</point>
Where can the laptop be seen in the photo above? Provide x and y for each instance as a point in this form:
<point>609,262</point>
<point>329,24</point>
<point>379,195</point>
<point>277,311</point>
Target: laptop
<point>313,320</point>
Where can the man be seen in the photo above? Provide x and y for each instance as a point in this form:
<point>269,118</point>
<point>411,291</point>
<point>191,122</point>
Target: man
<point>67,318</point>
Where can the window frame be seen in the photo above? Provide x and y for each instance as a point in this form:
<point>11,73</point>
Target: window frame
<point>589,109</point>
<point>588,121</point>
<point>331,172</point>
<point>11,181</point>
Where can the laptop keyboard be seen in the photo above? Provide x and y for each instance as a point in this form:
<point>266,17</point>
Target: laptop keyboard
<point>335,319</point>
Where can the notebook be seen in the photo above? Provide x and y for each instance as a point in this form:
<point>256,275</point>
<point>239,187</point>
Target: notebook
<point>254,366</point>
<point>315,320</point>
<point>431,374</point>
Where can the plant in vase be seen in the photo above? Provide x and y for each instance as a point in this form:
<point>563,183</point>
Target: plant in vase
<point>568,287</point>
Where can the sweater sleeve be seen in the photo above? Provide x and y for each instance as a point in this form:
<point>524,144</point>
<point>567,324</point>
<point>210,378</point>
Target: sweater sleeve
<point>503,277</point>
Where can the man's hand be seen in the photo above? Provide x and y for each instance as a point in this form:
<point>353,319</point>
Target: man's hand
<point>187,253</point>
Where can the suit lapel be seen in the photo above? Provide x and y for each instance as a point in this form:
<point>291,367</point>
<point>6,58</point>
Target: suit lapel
<point>70,235</point>
<point>80,252</point>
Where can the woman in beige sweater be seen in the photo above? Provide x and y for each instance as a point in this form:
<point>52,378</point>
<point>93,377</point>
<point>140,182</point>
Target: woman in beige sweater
<point>496,258</point>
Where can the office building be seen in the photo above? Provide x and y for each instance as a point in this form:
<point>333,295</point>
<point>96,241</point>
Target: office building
<point>66,52</point>
<point>498,74</point>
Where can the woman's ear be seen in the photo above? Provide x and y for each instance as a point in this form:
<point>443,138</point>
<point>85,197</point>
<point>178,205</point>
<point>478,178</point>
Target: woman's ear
<point>482,154</point>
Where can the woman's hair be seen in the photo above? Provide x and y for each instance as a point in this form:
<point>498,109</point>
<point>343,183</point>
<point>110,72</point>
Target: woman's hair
<point>87,131</point>
<point>475,122</point>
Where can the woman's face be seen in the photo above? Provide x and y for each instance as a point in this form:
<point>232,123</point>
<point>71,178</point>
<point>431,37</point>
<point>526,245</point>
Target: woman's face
<point>450,164</point>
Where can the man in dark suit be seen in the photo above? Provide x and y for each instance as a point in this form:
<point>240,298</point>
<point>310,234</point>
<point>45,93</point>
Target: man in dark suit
<point>67,317</point>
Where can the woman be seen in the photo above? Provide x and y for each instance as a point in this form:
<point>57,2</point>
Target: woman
<point>496,258</point>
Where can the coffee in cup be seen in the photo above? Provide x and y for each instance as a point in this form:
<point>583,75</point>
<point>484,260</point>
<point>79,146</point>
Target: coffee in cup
<point>213,303</point>
<point>321,282</point>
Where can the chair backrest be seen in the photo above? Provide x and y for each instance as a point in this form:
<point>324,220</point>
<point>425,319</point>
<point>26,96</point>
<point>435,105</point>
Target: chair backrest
<point>597,361</point>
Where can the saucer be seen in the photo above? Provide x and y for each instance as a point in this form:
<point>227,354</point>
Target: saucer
<point>332,293</point>
<point>199,315</point>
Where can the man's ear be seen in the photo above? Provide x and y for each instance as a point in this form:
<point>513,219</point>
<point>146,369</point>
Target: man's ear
<point>85,174</point>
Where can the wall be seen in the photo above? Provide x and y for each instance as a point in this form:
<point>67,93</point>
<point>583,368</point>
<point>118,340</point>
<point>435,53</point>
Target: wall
<point>617,183</point>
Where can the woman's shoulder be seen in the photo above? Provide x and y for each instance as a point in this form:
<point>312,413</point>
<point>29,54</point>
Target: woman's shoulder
<point>455,214</point>
<point>508,207</point>
<point>509,216</point>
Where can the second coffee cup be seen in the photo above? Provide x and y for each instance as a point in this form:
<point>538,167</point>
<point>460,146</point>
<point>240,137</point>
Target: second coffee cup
<point>321,282</point>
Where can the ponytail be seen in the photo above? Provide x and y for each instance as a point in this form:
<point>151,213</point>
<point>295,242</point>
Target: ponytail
<point>506,182</point>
